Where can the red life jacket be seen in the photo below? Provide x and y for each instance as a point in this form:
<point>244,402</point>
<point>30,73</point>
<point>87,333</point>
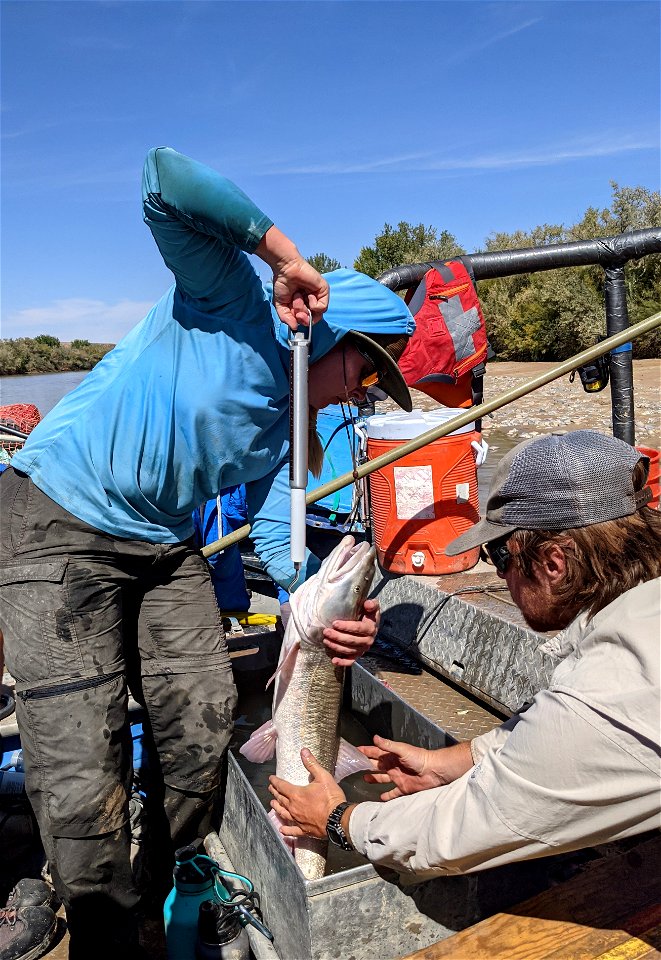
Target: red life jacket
<point>450,338</point>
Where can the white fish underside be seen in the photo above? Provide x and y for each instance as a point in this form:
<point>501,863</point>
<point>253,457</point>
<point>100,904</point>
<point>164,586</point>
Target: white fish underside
<point>308,687</point>
<point>308,716</point>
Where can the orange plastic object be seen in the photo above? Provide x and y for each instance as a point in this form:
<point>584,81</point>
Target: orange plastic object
<point>422,502</point>
<point>25,416</point>
<point>654,479</point>
<point>21,416</point>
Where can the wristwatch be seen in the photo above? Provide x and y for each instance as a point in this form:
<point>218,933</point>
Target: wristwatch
<point>334,829</point>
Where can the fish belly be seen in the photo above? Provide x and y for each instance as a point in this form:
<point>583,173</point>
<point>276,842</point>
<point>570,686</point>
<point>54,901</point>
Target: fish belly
<point>308,716</point>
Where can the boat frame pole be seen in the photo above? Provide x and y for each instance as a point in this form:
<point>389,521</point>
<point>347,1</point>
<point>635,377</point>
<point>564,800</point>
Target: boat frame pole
<point>611,253</point>
<point>471,414</point>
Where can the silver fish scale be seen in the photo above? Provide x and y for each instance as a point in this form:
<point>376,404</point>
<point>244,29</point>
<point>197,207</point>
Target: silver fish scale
<point>308,711</point>
<point>307,716</point>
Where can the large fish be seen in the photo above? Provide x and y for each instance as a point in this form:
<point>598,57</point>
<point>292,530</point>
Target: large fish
<point>308,687</point>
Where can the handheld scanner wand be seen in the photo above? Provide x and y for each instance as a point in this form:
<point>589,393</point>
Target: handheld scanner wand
<point>299,346</point>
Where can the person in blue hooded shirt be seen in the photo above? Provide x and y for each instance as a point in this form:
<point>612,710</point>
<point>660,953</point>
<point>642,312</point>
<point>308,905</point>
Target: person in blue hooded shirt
<point>102,589</point>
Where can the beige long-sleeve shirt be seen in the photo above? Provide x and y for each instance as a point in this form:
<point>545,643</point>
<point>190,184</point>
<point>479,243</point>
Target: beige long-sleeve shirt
<point>580,767</point>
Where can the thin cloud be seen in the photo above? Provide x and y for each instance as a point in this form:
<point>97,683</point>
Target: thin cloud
<point>406,161</point>
<point>42,179</point>
<point>75,117</point>
<point>606,145</point>
<point>77,318</point>
<point>491,41</point>
<point>28,130</point>
<point>548,156</point>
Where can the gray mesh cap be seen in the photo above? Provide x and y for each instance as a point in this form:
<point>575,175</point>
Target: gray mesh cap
<point>558,482</point>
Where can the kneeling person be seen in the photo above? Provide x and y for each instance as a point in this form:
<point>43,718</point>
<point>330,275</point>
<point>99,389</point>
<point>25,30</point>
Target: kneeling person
<point>568,528</point>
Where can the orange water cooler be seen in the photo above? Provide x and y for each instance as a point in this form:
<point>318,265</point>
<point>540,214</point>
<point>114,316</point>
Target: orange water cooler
<point>423,501</point>
<point>654,478</point>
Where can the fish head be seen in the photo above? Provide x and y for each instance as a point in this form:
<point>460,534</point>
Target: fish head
<point>339,588</point>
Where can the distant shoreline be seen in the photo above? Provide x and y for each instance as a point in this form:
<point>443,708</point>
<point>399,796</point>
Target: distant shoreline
<point>46,354</point>
<point>41,373</point>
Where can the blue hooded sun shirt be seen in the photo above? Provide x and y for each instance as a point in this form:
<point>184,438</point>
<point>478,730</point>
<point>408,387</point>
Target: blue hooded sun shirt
<point>196,397</point>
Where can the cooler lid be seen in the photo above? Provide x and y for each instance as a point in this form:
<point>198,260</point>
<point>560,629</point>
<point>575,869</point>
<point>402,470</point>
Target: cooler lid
<point>399,425</point>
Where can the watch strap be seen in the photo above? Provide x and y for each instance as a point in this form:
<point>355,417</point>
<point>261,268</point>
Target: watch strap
<point>334,829</point>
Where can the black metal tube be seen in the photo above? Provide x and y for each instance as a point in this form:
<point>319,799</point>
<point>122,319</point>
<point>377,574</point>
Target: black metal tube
<point>12,431</point>
<point>611,252</point>
<point>621,361</point>
<point>607,251</point>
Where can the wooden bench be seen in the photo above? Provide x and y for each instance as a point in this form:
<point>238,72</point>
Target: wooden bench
<point>611,911</point>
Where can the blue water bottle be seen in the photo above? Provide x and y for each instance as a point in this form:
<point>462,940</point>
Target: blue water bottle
<point>12,777</point>
<point>194,882</point>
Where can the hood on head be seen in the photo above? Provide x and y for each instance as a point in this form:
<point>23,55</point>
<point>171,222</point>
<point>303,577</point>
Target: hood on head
<point>357,302</point>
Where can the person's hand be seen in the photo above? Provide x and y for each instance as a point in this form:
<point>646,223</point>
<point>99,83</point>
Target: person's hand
<point>300,293</point>
<point>304,811</point>
<point>411,769</point>
<point>346,640</point>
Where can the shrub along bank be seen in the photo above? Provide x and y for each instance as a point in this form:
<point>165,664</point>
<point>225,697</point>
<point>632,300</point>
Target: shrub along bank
<point>46,354</point>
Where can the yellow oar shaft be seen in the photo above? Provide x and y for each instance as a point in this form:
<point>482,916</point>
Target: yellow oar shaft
<point>471,414</point>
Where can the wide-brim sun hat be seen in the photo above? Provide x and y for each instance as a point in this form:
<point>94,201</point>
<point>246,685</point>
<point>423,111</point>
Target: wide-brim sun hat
<point>378,319</point>
<point>558,482</point>
<point>383,351</point>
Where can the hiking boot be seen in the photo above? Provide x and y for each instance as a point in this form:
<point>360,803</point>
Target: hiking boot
<point>27,933</point>
<point>32,893</point>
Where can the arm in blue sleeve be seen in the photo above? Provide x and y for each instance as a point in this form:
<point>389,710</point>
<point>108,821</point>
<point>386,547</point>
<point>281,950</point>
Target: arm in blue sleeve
<point>201,223</point>
<point>268,512</point>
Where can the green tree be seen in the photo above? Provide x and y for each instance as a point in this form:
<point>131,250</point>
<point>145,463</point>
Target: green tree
<point>36,356</point>
<point>79,344</point>
<point>554,314</point>
<point>323,263</point>
<point>406,244</point>
<point>47,340</point>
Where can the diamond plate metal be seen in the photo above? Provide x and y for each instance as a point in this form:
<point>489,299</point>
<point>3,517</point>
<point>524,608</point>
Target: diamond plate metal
<point>477,639</point>
<point>443,705</point>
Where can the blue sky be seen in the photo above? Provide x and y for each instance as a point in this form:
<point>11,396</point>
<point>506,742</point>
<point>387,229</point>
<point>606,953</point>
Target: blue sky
<point>335,117</point>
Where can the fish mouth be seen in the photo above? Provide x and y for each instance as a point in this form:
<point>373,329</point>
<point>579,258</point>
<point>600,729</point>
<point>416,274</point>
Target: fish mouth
<point>349,556</point>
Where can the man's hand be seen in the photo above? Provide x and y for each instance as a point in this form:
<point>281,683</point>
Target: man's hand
<point>412,769</point>
<point>304,811</point>
<point>347,640</point>
<point>300,293</point>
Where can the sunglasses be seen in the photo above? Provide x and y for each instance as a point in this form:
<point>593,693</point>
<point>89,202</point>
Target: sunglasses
<point>497,554</point>
<point>371,379</point>
<point>374,376</point>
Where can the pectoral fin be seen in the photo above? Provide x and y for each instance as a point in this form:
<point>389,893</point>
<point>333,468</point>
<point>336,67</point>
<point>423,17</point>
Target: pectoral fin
<point>261,745</point>
<point>286,665</point>
<point>350,760</point>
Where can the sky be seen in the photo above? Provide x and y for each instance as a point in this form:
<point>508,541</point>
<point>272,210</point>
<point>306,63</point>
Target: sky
<point>334,117</point>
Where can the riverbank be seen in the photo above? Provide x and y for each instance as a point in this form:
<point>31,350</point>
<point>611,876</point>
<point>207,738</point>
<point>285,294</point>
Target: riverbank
<point>46,354</point>
<point>562,405</point>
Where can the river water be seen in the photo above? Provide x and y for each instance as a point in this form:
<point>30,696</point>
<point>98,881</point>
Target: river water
<point>46,389</point>
<point>42,389</point>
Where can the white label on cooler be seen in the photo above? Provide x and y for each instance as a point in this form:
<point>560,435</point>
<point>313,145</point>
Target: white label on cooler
<point>463,492</point>
<point>414,493</point>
